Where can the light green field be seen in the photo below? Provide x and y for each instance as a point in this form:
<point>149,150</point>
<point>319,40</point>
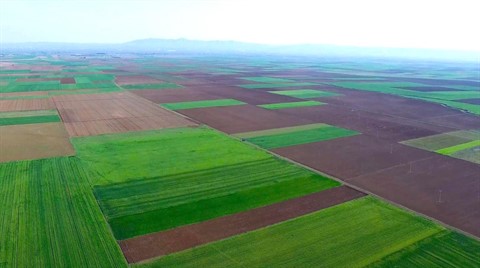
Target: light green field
<point>277,85</point>
<point>50,218</point>
<point>321,133</point>
<point>460,144</point>
<point>202,104</point>
<point>305,93</point>
<point>287,105</point>
<point>460,147</point>
<point>352,234</point>
<point>175,177</point>
<point>444,249</point>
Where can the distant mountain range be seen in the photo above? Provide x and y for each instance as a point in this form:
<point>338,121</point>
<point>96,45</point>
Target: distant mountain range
<point>220,47</point>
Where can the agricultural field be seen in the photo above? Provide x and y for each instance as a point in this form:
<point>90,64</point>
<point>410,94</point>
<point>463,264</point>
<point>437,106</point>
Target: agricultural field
<point>173,160</point>
<point>464,144</point>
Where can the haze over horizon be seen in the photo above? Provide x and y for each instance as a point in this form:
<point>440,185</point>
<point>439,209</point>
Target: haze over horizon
<point>371,23</point>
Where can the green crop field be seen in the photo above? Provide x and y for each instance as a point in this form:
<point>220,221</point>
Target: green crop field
<point>152,86</point>
<point>201,104</point>
<point>287,105</point>
<point>277,85</point>
<point>445,249</point>
<point>456,148</point>
<point>51,218</point>
<point>190,180</point>
<point>28,117</point>
<point>321,133</point>
<point>352,234</point>
<point>305,93</point>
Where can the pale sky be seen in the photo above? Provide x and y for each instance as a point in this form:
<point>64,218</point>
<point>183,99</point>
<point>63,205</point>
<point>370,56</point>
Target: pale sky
<point>380,23</point>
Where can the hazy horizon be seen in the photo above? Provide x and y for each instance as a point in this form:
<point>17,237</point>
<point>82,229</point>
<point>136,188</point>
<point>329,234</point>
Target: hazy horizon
<point>446,25</point>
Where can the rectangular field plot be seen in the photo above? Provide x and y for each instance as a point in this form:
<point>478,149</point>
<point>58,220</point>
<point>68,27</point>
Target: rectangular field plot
<point>463,144</point>
<point>28,117</point>
<point>287,105</point>
<point>445,249</point>
<point>152,86</point>
<point>202,104</point>
<point>264,79</point>
<point>159,180</point>
<point>283,137</point>
<point>277,85</point>
<point>96,114</point>
<point>305,93</point>
<point>49,217</point>
<point>26,105</point>
<point>32,141</point>
<point>352,234</point>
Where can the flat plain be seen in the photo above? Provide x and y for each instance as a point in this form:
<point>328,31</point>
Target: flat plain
<point>238,160</point>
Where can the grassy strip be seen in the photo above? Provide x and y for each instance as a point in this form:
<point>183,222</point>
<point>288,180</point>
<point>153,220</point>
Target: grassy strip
<point>459,147</point>
<point>301,137</point>
<point>27,113</point>
<point>152,86</point>
<point>233,202</point>
<point>352,234</point>
<point>264,79</point>
<point>436,142</point>
<point>305,93</point>
<point>282,130</point>
<point>277,85</point>
<point>201,104</point>
<point>286,105</point>
<point>29,120</point>
<point>50,218</point>
<point>445,249</point>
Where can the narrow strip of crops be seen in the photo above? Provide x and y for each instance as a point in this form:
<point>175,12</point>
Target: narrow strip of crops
<point>202,104</point>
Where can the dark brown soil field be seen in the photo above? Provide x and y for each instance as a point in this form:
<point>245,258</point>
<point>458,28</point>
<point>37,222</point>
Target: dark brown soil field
<point>163,243</point>
<point>352,156</point>
<point>441,187</point>
<point>26,105</point>
<point>69,80</point>
<point>471,101</point>
<point>136,79</point>
<point>175,95</point>
<point>243,118</point>
<point>32,141</point>
<point>94,114</point>
<point>429,88</point>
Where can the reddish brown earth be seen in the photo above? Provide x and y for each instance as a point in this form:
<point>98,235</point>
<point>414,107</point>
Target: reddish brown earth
<point>167,242</point>
<point>68,80</point>
<point>441,187</point>
<point>26,105</point>
<point>471,101</point>
<point>94,114</point>
<point>136,79</point>
<point>242,118</point>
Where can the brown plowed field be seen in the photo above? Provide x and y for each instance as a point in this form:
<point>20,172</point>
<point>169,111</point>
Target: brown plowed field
<point>175,95</point>
<point>441,187</point>
<point>94,114</point>
<point>136,79</point>
<point>26,105</point>
<point>163,243</point>
<point>242,118</point>
<point>352,156</point>
<point>471,101</point>
<point>69,80</point>
<point>33,141</point>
